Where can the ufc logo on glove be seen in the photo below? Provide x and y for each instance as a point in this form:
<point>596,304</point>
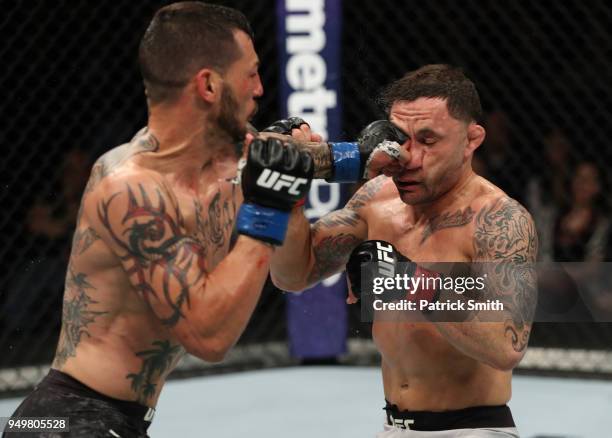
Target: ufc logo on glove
<point>386,263</point>
<point>276,181</point>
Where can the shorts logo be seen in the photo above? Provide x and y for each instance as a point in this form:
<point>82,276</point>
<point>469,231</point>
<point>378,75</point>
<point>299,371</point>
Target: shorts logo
<point>402,424</point>
<point>386,264</point>
<point>276,181</point>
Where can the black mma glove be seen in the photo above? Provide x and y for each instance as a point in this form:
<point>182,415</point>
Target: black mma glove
<point>351,159</point>
<point>274,178</point>
<point>284,126</point>
<point>377,259</point>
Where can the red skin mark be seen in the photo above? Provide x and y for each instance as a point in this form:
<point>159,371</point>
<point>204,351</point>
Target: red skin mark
<point>262,261</point>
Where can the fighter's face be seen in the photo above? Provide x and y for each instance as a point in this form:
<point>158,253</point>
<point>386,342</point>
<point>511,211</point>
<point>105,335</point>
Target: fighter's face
<point>437,144</point>
<point>242,86</point>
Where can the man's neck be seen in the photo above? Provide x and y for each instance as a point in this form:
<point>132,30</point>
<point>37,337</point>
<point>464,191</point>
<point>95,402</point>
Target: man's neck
<point>446,200</point>
<point>187,141</point>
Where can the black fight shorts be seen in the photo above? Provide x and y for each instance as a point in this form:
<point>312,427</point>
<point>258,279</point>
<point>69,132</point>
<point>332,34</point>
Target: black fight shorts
<point>90,414</point>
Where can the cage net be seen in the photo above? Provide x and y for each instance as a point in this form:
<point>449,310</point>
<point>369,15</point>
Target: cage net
<point>72,90</point>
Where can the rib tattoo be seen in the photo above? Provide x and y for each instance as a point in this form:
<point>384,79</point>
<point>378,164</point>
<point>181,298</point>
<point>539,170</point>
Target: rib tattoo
<point>156,363</point>
<point>76,316</point>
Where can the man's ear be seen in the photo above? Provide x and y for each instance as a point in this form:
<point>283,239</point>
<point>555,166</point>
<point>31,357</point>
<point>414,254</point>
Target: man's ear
<point>208,85</point>
<point>476,135</point>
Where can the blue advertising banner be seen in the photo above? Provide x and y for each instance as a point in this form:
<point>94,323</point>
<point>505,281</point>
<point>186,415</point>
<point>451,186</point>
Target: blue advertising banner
<point>309,51</point>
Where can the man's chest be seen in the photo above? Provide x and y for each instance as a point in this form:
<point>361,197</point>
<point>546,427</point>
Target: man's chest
<point>446,237</point>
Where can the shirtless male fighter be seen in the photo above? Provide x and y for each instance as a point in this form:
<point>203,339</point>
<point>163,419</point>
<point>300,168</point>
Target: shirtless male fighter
<point>151,274</point>
<point>441,378</point>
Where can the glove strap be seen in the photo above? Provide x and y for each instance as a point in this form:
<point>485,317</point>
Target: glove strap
<point>262,223</point>
<point>347,162</point>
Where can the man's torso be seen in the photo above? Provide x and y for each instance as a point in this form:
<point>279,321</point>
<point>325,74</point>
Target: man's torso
<point>421,370</point>
<point>111,340</point>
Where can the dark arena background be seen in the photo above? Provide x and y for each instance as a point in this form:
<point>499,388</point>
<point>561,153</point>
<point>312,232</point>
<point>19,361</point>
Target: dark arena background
<point>71,90</point>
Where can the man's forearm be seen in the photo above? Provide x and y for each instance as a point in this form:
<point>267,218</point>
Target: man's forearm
<point>292,262</point>
<point>221,310</point>
<point>489,336</point>
<point>487,342</point>
<point>321,155</point>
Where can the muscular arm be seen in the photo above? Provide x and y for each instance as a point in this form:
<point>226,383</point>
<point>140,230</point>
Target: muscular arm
<point>312,253</point>
<point>505,245</point>
<point>206,311</point>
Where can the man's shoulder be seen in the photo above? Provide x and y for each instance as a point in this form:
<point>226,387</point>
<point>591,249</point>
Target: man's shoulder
<point>381,188</point>
<point>107,181</point>
<point>490,197</point>
<point>503,228</point>
<point>118,164</point>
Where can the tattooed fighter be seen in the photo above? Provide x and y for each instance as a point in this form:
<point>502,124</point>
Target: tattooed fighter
<point>441,379</point>
<point>151,274</point>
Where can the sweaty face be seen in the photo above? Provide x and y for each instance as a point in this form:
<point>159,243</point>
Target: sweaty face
<point>242,86</point>
<point>436,143</point>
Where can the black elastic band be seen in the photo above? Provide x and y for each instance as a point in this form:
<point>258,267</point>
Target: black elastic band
<point>469,418</point>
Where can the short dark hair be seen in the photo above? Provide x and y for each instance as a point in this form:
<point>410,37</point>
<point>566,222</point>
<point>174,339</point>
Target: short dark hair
<point>183,38</point>
<point>437,81</point>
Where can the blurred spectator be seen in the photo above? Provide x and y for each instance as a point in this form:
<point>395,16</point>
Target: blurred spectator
<point>577,291</point>
<point>582,231</point>
<point>51,219</point>
<point>547,190</point>
<point>499,155</point>
<point>582,227</point>
<point>36,288</point>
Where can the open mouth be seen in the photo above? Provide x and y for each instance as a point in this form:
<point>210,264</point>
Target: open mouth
<point>406,185</point>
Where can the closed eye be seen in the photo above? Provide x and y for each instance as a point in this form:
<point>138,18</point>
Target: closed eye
<point>429,140</point>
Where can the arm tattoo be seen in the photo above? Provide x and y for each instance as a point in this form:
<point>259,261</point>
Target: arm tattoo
<point>321,157</point>
<point>349,215</point>
<point>346,217</point>
<point>331,254</point>
<point>216,229</point>
<point>447,220</point>
<point>155,240</point>
<point>82,240</point>
<point>505,235</point>
<point>99,171</point>
<point>157,362</point>
<point>76,316</point>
